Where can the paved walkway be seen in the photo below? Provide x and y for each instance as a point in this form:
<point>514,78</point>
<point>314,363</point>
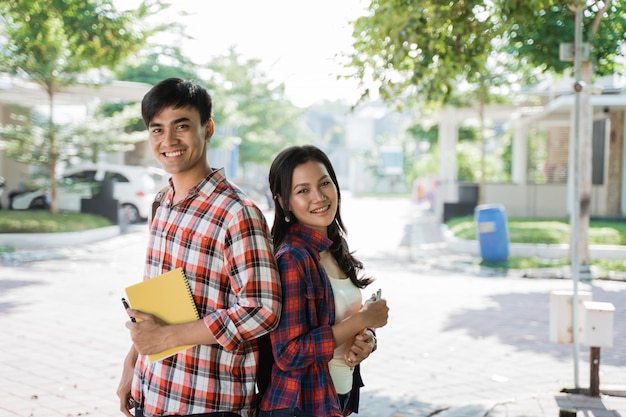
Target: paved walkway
<point>435,251</point>
<point>460,342</point>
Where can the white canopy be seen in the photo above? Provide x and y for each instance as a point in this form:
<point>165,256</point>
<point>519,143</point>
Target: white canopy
<point>27,93</point>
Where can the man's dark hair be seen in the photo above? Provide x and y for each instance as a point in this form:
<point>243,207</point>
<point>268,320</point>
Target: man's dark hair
<point>177,93</point>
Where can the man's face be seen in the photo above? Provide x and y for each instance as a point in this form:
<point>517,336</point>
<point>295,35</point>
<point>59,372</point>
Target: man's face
<point>178,140</point>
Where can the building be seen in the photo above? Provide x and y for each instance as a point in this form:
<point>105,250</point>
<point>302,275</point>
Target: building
<point>541,181</point>
<point>20,92</point>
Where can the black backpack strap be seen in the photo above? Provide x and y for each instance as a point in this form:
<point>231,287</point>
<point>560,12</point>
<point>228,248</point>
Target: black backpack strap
<point>264,366</point>
<point>158,199</point>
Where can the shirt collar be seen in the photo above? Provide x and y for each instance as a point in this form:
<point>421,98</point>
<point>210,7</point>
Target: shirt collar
<point>311,237</point>
<point>205,187</point>
<point>209,183</point>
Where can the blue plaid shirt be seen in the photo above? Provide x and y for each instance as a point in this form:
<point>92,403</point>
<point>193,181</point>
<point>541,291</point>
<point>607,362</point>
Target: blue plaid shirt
<point>303,343</point>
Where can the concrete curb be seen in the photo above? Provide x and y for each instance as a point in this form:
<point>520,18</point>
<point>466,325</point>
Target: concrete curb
<point>471,247</point>
<point>452,254</point>
<point>55,240</point>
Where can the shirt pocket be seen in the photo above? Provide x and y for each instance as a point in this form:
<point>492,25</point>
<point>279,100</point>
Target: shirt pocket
<point>204,265</point>
<point>316,303</point>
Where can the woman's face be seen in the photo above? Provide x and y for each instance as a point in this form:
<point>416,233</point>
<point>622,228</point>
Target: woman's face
<point>313,199</point>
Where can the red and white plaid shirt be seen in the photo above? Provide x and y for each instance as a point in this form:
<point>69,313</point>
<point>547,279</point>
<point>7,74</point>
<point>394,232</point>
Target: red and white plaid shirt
<point>222,242</point>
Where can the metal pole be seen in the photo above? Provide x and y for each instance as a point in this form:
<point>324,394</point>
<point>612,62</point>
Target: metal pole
<point>594,371</point>
<point>575,209</point>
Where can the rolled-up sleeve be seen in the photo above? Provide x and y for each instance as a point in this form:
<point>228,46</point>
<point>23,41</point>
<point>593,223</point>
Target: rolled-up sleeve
<point>255,285</point>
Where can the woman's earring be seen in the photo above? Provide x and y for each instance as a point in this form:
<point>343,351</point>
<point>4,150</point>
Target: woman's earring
<point>287,219</point>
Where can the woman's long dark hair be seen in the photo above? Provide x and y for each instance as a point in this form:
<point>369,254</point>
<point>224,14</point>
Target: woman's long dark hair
<point>280,176</point>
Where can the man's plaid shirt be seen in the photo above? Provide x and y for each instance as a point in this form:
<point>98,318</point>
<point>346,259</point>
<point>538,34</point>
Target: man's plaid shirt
<point>222,242</point>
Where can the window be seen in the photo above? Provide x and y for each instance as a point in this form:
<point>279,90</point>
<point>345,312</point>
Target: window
<point>115,176</point>
<point>598,152</point>
<point>80,177</point>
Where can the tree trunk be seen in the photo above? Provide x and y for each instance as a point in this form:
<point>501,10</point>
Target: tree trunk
<point>52,162</point>
<point>483,145</point>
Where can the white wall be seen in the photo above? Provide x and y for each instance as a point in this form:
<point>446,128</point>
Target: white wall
<point>540,200</point>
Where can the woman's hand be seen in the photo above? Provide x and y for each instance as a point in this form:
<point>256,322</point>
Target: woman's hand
<point>364,344</point>
<point>376,313</point>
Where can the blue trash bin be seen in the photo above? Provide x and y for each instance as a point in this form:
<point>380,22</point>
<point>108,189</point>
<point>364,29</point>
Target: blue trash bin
<point>492,232</point>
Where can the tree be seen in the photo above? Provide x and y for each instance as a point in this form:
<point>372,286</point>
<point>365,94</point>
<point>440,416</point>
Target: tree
<point>26,139</point>
<point>251,108</point>
<point>433,53</point>
<point>157,65</point>
<point>428,52</point>
<point>424,163</point>
<point>105,133</point>
<point>536,35</point>
<point>537,28</point>
<point>57,42</point>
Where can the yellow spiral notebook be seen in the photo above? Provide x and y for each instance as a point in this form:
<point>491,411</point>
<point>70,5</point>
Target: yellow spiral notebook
<point>168,297</point>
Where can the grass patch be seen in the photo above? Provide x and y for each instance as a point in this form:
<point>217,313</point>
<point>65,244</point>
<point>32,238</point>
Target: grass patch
<point>610,264</point>
<point>42,221</point>
<point>603,265</point>
<point>527,263</point>
<point>548,231</point>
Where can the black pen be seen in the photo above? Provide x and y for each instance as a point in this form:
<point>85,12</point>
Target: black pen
<point>126,306</point>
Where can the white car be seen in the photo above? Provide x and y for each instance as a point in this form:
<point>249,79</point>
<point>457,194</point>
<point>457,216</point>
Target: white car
<point>134,187</point>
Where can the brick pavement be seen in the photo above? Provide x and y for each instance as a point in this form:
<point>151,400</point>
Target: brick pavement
<point>466,345</point>
<point>458,343</point>
<point>63,335</point>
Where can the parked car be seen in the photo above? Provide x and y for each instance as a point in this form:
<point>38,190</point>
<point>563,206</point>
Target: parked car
<point>134,188</point>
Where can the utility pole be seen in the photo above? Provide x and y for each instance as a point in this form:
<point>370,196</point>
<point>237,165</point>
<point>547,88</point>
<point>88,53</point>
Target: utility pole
<point>580,175</point>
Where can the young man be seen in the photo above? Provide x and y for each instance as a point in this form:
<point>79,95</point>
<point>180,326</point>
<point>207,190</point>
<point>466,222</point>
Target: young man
<point>220,238</point>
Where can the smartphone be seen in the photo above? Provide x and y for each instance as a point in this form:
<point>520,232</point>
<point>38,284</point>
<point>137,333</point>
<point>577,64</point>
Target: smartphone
<point>126,306</point>
<point>379,294</point>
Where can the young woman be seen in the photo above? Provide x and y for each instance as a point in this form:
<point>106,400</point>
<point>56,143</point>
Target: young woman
<point>325,329</point>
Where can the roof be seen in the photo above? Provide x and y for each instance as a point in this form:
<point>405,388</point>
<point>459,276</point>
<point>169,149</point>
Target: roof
<point>14,90</point>
<point>559,109</point>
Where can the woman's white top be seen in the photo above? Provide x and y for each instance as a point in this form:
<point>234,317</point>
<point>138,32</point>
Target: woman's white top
<point>348,301</point>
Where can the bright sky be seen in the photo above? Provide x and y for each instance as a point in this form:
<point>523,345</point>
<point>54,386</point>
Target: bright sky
<point>296,40</point>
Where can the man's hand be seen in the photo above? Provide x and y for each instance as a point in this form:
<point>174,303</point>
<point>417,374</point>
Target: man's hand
<point>149,334</point>
<point>127,402</point>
